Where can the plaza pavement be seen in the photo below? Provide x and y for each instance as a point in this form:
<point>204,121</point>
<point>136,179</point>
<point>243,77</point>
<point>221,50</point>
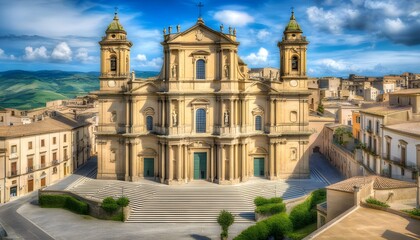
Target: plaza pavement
<point>62,224</point>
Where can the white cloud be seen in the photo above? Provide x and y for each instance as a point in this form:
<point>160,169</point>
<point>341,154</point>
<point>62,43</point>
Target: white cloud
<point>154,64</point>
<point>233,18</point>
<point>263,34</point>
<point>62,52</point>
<point>82,54</point>
<point>141,57</point>
<point>332,64</point>
<point>386,7</point>
<point>257,58</point>
<point>333,21</point>
<point>394,25</point>
<point>35,54</point>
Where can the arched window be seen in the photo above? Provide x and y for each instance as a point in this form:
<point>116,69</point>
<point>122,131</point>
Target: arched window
<point>295,63</point>
<point>200,121</point>
<point>113,64</point>
<point>258,123</point>
<point>149,123</point>
<point>200,69</point>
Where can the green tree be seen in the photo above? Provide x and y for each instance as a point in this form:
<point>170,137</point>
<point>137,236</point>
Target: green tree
<point>225,220</point>
<point>320,108</point>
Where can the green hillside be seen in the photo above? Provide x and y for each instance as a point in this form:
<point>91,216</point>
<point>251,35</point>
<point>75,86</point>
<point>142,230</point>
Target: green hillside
<point>26,89</point>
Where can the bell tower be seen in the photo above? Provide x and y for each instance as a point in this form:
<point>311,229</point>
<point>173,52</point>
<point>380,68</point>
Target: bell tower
<point>115,55</point>
<point>293,56</point>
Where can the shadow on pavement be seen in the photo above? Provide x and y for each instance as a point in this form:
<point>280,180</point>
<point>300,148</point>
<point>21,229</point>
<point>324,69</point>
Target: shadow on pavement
<point>199,237</point>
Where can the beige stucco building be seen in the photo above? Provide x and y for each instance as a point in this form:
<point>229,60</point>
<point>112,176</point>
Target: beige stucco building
<point>202,117</point>
<point>33,156</point>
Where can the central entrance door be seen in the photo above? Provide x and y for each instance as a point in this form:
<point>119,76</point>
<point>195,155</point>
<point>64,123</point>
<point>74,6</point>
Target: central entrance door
<point>259,167</point>
<point>149,167</point>
<point>200,165</point>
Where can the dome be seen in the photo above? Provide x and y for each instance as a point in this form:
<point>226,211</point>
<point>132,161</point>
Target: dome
<point>293,26</point>
<point>115,25</point>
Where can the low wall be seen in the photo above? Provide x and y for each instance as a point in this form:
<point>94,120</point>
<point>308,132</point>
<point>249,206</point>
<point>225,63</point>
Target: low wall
<point>391,195</point>
<point>95,209</point>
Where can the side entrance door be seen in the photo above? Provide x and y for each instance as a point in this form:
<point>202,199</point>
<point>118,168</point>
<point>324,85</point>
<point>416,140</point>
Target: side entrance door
<point>200,165</point>
<point>149,167</point>
<point>259,167</point>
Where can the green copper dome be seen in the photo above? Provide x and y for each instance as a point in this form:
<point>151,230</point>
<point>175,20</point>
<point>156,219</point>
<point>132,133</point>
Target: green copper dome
<point>293,26</point>
<point>115,25</point>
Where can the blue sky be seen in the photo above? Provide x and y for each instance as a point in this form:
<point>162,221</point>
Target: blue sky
<point>366,37</point>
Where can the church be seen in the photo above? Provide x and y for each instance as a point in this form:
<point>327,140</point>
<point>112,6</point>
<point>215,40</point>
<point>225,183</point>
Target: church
<point>202,117</point>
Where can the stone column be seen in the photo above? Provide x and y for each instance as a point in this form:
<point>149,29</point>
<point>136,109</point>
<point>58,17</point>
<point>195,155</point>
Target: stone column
<point>162,161</point>
<point>231,116</point>
<point>243,162</point>
<point>212,163</point>
<point>236,162</point>
<point>231,162</point>
<point>277,159</point>
<point>272,156</point>
<point>170,164</point>
<point>127,160</point>
<point>185,163</point>
<point>222,162</point>
<point>272,113</point>
<point>178,161</point>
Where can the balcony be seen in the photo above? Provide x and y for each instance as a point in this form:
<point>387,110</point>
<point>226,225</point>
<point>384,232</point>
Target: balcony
<point>55,162</point>
<point>30,169</point>
<point>13,156</point>
<point>12,173</point>
<point>369,129</point>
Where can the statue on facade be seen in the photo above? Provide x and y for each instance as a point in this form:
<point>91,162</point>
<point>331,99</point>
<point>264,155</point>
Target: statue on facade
<point>221,27</point>
<point>226,118</point>
<point>227,71</point>
<point>164,31</point>
<point>174,118</point>
<point>113,117</point>
<point>174,71</point>
<point>293,154</point>
<point>178,28</point>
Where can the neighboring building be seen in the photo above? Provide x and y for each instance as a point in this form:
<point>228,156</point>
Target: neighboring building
<point>314,98</point>
<point>349,193</point>
<point>401,150</point>
<point>36,155</point>
<point>407,97</point>
<point>345,114</point>
<point>264,73</point>
<point>371,94</point>
<point>356,125</point>
<point>342,153</point>
<point>202,117</point>
<point>329,87</point>
<point>372,120</point>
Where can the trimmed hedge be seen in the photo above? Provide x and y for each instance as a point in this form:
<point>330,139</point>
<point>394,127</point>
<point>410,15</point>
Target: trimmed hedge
<point>271,208</point>
<point>123,201</point>
<point>259,201</point>
<point>414,212</point>
<point>64,201</point>
<point>305,213</point>
<point>374,201</point>
<point>276,226</point>
<point>109,205</point>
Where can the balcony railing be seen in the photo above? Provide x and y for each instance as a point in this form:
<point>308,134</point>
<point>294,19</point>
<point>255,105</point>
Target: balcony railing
<point>369,129</point>
<point>55,162</point>
<point>12,173</point>
<point>13,156</point>
<point>30,169</point>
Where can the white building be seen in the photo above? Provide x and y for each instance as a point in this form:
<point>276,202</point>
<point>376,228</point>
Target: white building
<point>401,150</point>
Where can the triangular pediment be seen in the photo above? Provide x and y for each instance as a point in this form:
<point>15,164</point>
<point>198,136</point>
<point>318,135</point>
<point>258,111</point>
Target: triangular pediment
<point>146,87</point>
<point>258,86</point>
<point>199,33</point>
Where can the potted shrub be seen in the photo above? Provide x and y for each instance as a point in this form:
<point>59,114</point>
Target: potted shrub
<point>225,220</point>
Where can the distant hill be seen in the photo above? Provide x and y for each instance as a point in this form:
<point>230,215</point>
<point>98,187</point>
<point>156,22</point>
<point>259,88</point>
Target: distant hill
<point>27,89</point>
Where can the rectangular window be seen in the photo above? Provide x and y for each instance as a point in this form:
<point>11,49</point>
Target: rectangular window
<point>13,169</point>
<point>42,142</point>
<point>30,164</point>
<point>54,156</point>
<point>65,154</point>
<point>377,127</point>
<point>54,140</point>
<point>30,145</point>
<point>65,138</point>
<point>42,161</point>
<point>1,119</point>
<point>13,149</point>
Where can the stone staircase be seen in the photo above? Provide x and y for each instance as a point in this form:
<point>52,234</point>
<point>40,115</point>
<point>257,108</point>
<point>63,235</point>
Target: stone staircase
<point>197,201</point>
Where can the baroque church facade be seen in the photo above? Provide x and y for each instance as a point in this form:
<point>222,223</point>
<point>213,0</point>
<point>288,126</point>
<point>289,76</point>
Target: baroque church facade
<point>202,117</point>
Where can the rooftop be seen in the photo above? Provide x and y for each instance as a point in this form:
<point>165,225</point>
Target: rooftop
<point>367,223</point>
<point>379,183</point>
<point>49,125</point>
<point>414,91</point>
<point>384,110</point>
<point>412,127</point>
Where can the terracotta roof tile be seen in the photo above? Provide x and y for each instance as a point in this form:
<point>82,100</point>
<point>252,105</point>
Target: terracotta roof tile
<point>378,183</point>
